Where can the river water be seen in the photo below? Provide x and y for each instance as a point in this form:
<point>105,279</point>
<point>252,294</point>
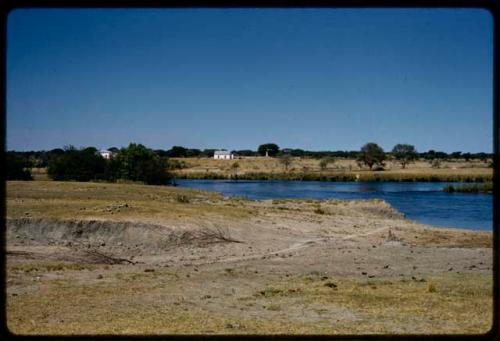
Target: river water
<point>423,202</point>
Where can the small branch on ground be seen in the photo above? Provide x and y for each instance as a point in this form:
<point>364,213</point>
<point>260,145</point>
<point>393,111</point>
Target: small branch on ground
<point>109,259</point>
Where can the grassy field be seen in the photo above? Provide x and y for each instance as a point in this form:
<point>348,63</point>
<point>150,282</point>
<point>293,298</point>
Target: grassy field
<point>118,202</point>
<point>261,168</point>
<point>154,303</point>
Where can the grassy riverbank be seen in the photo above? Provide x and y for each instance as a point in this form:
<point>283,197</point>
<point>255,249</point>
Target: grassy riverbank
<point>359,176</point>
<point>341,170</point>
<point>98,258</point>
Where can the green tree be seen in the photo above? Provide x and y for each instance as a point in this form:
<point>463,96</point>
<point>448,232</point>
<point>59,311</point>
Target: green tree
<point>177,151</point>
<point>404,154</point>
<point>76,164</point>
<point>138,163</point>
<point>17,168</point>
<point>271,148</point>
<point>371,154</point>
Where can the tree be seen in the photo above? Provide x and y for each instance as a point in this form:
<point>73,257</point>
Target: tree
<point>286,161</point>
<point>467,156</point>
<point>244,152</point>
<point>404,153</point>
<point>208,152</point>
<point>297,152</point>
<point>325,161</point>
<point>77,164</point>
<point>177,151</point>
<point>138,163</point>
<point>193,152</point>
<point>371,154</point>
<point>271,148</point>
<point>17,168</point>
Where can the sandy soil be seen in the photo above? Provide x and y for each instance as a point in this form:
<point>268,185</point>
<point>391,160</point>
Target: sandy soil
<point>282,266</point>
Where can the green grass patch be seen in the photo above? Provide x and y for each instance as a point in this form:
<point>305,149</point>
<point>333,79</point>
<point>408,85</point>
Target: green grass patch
<point>486,187</point>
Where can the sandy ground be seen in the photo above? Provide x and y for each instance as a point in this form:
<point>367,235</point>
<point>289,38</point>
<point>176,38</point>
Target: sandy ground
<point>279,266</point>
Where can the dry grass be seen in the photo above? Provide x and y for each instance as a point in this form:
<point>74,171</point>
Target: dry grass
<point>48,266</point>
<point>149,304</point>
<point>119,202</point>
<point>449,238</point>
<point>261,167</point>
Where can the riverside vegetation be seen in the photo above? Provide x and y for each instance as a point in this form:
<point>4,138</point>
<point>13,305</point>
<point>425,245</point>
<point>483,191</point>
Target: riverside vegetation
<point>470,188</point>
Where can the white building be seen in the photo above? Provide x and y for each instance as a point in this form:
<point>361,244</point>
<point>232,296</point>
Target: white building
<point>106,154</point>
<point>223,155</point>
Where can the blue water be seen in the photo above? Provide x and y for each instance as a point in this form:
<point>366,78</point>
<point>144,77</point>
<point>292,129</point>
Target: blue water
<point>424,202</point>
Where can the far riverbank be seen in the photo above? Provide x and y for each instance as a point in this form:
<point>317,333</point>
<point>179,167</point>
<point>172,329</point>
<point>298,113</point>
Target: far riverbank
<point>308,169</point>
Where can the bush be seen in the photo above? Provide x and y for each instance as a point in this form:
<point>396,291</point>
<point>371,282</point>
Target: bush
<point>323,164</point>
<point>436,163</point>
<point>138,163</point>
<point>17,168</point>
<point>176,164</point>
<point>134,163</point>
<point>80,165</point>
<point>184,199</point>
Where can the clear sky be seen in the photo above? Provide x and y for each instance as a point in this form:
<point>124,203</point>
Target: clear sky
<point>316,79</point>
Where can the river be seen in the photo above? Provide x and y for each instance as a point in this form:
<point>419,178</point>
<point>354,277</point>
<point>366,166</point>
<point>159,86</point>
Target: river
<point>423,202</point>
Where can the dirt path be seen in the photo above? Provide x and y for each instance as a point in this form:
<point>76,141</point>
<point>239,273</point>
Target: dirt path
<point>299,245</point>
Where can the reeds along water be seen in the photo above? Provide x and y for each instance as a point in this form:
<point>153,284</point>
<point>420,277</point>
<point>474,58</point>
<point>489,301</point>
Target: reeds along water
<point>486,187</point>
<point>379,176</point>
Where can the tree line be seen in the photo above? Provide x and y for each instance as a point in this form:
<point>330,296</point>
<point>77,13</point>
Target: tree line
<point>138,163</point>
<point>40,158</point>
<point>133,163</point>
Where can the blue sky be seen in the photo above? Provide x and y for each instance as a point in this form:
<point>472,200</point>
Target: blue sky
<point>316,79</point>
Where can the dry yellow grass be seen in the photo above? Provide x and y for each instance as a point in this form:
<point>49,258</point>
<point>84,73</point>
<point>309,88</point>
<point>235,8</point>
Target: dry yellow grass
<point>255,167</point>
<point>459,303</point>
<point>74,200</point>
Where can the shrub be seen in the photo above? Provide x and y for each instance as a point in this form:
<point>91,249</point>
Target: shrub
<point>319,210</point>
<point>17,168</point>
<point>436,163</point>
<point>74,164</point>
<point>323,164</point>
<point>184,199</point>
<point>138,163</point>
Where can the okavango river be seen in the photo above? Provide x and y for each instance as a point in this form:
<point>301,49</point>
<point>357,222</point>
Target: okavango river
<point>423,202</point>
